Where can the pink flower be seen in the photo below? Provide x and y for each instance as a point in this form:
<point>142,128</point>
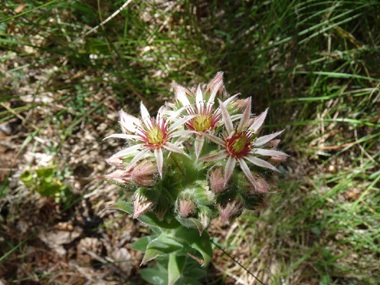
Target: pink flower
<point>241,144</point>
<point>151,134</point>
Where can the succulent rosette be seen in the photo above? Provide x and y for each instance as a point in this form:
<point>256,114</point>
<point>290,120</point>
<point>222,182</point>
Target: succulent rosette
<point>201,157</point>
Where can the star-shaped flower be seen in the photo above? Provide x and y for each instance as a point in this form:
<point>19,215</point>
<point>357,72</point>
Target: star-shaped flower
<point>152,134</point>
<point>241,144</point>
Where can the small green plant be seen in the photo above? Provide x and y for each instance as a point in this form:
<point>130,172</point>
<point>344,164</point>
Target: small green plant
<point>47,182</point>
<point>201,157</point>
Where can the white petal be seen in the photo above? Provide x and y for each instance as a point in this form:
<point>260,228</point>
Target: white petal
<point>247,172</point>
<point>268,152</point>
<point>230,166</point>
<point>214,139</point>
<point>122,136</point>
<point>159,159</point>
<point>215,89</point>
<point>260,162</point>
<point>173,148</point>
<point>258,121</point>
<point>145,114</point>
<point>180,92</point>
<point>180,122</point>
<point>137,157</point>
<point>264,139</point>
<point>217,156</point>
<point>127,151</point>
<point>128,122</point>
<point>226,118</point>
<point>199,96</point>
<point>229,100</point>
<point>199,140</point>
<point>186,133</point>
<point>245,117</point>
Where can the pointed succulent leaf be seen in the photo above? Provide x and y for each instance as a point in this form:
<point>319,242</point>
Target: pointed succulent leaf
<point>175,267</point>
<point>142,243</point>
<point>162,245</point>
<point>200,243</point>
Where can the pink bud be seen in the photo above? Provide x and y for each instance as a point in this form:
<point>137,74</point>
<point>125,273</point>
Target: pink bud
<point>272,144</point>
<point>261,185</point>
<point>144,174</point>
<point>142,202</point>
<point>119,176</point>
<point>185,206</point>
<point>217,181</point>
<point>232,208</point>
<point>277,159</point>
<point>118,162</point>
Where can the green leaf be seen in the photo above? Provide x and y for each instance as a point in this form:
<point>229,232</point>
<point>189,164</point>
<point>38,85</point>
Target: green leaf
<point>27,178</point>
<point>142,243</point>
<point>154,276</point>
<point>191,223</point>
<point>162,245</point>
<point>147,218</point>
<point>200,243</point>
<point>175,267</point>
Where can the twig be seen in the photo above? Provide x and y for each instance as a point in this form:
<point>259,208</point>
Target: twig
<point>241,265</point>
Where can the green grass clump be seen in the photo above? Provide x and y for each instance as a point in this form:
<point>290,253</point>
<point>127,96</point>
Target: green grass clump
<point>314,63</point>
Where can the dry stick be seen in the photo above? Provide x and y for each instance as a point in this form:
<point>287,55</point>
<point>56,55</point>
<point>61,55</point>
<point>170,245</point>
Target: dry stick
<point>241,265</point>
<point>109,18</point>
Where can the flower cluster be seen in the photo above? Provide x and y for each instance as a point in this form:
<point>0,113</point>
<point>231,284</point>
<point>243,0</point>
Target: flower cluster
<point>200,157</point>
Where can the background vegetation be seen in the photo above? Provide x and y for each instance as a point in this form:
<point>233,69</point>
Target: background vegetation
<point>314,63</point>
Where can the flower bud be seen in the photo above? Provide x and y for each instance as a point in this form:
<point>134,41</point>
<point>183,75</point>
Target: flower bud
<point>185,206</point>
<point>205,217</point>
<point>144,174</point>
<point>118,162</point>
<point>217,181</point>
<point>119,176</point>
<point>277,159</point>
<point>230,207</point>
<point>143,201</point>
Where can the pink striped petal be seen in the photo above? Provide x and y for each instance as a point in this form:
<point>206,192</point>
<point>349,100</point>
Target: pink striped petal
<point>258,122</point>
<point>145,115</point>
<point>199,140</point>
<point>128,122</point>
<point>214,91</point>
<point>214,139</point>
<point>260,162</point>
<point>247,172</point>
<point>268,152</point>
<point>199,96</point>
<point>264,139</point>
<point>127,151</point>
<point>173,148</point>
<point>159,159</point>
<point>217,156</point>
<point>137,157</point>
<point>180,122</point>
<point>226,118</point>
<point>180,92</point>
<point>246,115</point>
<point>123,136</point>
<point>230,166</point>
